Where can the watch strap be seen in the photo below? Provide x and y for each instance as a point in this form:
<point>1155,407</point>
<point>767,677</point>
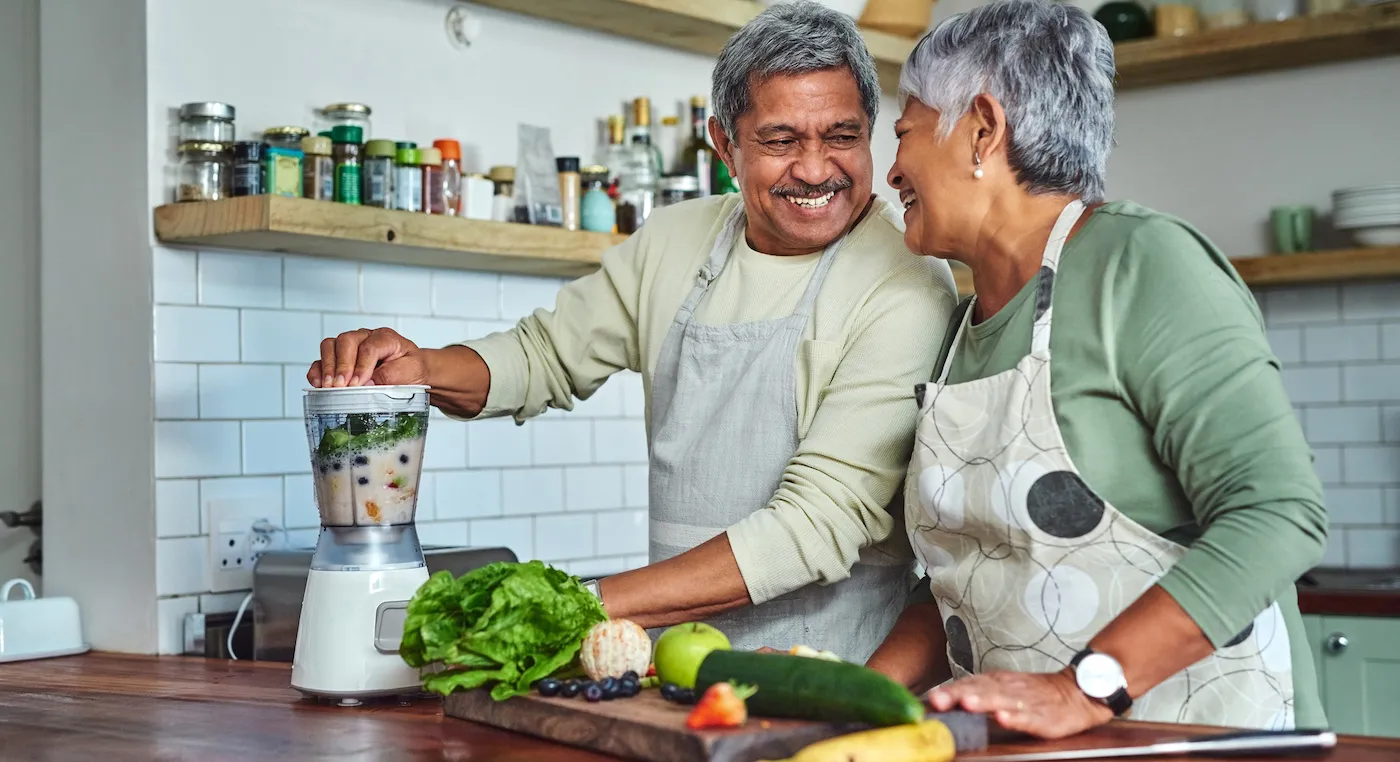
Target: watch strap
<point>1119,702</point>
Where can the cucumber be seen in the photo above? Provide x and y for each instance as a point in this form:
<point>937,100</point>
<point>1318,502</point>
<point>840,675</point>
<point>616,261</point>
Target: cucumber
<point>804,688</point>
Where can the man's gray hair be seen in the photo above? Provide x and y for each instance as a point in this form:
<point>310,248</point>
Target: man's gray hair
<point>1051,67</point>
<point>790,38</point>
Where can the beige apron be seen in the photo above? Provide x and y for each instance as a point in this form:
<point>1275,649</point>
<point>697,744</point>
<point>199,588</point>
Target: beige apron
<point>724,426</point>
<point>1027,563</point>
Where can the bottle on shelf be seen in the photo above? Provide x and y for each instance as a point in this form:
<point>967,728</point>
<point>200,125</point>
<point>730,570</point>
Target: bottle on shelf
<point>451,152</point>
<point>613,153</point>
<point>698,159</point>
<point>640,172</point>
<point>668,143</point>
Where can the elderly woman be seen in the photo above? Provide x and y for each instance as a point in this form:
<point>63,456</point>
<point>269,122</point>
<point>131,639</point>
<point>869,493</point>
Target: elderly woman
<point>1109,491</point>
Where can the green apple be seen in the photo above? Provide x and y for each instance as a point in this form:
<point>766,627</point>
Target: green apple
<point>680,650</point>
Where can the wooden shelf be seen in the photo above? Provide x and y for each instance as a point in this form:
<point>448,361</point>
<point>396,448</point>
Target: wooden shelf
<point>1377,263</point>
<point>325,229</point>
<point>1365,32</point>
<point>699,26</point>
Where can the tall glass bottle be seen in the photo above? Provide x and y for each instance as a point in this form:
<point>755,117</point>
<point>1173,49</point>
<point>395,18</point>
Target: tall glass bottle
<point>640,171</point>
<point>613,154</point>
<point>697,159</point>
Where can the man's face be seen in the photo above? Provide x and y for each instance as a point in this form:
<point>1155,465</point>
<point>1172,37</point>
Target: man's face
<point>801,155</point>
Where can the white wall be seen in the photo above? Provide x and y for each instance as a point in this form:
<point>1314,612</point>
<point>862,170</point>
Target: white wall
<point>19,276</point>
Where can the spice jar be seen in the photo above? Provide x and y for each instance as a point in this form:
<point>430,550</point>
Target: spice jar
<point>282,175</point>
<point>503,200</point>
<point>1223,14</point>
<point>285,137</point>
<point>346,114</point>
<point>203,172</point>
<point>378,183</point>
<point>408,178</point>
<point>677,188</point>
<point>596,207</point>
<point>317,169</point>
<point>430,161</point>
<point>451,152</point>
<point>570,188</point>
<point>478,196</point>
<point>248,168</point>
<point>206,123</point>
<point>1176,19</point>
<point>345,152</point>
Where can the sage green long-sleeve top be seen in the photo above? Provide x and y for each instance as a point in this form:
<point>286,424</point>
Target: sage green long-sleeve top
<point>1172,406</point>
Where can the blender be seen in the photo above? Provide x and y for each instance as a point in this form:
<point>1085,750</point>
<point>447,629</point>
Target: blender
<point>366,458</point>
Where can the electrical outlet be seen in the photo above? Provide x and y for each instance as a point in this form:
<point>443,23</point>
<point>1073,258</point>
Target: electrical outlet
<point>233,544</point>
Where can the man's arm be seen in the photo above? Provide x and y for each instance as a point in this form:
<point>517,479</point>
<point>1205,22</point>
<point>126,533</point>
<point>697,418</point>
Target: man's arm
<point>914,654</point>
<point>699,583</point>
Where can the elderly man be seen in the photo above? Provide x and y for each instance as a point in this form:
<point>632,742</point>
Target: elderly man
<point>780,334</point>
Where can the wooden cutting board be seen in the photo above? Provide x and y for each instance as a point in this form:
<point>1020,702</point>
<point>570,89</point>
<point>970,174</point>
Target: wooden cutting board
<point>648,728</point>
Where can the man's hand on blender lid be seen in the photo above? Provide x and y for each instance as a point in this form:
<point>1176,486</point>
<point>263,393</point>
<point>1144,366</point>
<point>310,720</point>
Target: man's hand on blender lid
<point>364,356</point>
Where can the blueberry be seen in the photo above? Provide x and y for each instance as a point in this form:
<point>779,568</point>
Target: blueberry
<point>593,693</point>
<point>668,691</point>
<point>361,460</point>
<point>607,684</point>
<point>685,696</point>
<point>629,688</point>
<point>324,468</point>
<point>335,466</point>
<point>364,480</point>
<point>636,678</point>
<point>548,687</point>
<point>403,459</point>
<point>570,688</point>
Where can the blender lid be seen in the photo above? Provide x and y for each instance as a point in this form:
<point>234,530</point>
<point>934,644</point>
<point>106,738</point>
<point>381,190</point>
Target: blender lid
<point>397,398</point>
<point>384,388</point>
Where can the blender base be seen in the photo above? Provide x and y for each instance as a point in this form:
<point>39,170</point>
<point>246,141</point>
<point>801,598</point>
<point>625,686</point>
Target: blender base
<point>349,632</point>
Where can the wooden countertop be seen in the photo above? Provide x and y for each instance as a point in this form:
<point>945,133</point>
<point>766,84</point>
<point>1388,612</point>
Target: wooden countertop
<point>116,707</point>
<point>1350,592</point>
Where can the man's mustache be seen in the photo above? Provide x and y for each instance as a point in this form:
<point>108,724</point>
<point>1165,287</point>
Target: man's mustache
<point>805,189</point>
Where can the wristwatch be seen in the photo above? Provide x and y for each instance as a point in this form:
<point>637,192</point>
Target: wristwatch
<point>1101,678</point>
<point>591,585</point>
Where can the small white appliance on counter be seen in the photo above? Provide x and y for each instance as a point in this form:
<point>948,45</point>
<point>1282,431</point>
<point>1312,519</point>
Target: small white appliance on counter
<point>37,628</point>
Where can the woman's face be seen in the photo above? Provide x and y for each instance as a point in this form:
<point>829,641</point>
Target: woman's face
<point>934,180</point>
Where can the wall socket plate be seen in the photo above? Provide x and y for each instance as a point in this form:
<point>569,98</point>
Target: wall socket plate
<point>233,546</point>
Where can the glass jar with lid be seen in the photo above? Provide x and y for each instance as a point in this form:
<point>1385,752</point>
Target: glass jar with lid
<point>677,188</point>
<point>346,115</point>
<point>204,171</point>
<point>288,136</point>
<point>206,122</point>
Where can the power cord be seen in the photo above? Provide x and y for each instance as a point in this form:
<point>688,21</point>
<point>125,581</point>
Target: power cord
<point>236,619</point>
<point>263,531</point>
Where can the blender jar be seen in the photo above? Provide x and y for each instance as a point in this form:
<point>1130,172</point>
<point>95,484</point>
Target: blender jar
<point>366,453</point>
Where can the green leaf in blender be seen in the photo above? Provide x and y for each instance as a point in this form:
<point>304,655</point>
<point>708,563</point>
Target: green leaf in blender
<point>507,623</point>
<point>362,432</point>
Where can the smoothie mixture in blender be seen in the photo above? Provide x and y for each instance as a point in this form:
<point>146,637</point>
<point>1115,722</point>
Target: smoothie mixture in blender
<point>366,466</point>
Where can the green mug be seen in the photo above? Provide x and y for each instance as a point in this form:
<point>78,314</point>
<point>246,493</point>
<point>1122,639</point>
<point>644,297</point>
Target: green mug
<point>1292,228</point>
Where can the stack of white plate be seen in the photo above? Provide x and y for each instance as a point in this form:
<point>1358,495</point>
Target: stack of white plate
<point>1372,213</point>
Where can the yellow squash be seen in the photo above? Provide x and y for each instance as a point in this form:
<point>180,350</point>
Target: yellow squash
<point>927,741</point>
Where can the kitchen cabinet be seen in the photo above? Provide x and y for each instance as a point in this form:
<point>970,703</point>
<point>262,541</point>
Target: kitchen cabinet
<point>1358,671</point>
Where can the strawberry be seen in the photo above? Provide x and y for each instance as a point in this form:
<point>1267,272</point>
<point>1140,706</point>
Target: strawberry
<point>651,671</point>
<point>722,706</point>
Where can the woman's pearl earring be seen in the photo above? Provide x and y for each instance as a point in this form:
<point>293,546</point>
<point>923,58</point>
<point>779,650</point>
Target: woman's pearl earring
<point>977,173</point>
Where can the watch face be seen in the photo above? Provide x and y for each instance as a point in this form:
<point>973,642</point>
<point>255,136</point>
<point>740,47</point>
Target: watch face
<point>1099,675</point>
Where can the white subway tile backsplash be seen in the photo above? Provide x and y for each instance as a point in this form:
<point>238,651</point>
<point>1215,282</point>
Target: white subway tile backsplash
<point>515,533</point>
<point>181,566</point>
<point>177,507</point>
<point>299,502</point>
<point>498,443</point>
<point>433,333</point>
<point>562,442</point>
<point>170,623</point>
<point>468,494</point>
<point>281,336</point>
<point>174,280</point>
<point>335,323</point>
<point>1336,553</point>
<point>454,534</point>
<point>240,280</point>
<point>1287,344</point>
<point>196,334</point>
<point>223,603</point>
<point>294,385</point>
<point>635,488</point>
<point>240,391</point>
<point>1373,548</point>
<point>1337,424</point>
<point>395,290</point>
<point>606,402</point>
<point>1371,383</point>
<point>275,447</point>
<point>1392,505</point>
<point>1370,301</point>
<point>1341,343</point>
<point>532,490</point>
<point>637,562</point>
<point>633,394</point>
<point>1370,464</point>
<point>598,567</point>
<point>1354,505</point>
<point>197,448</point>
<point>593,488</point>
<point>619,441</point>
<point>321,284</point>
<point>1327,463</point>
<point>447,444</point>
<point>622,532</point>
<point>466,294</point>
<point>1390,341</point>
<point>1313,384</point>
<point>478,329</point>
<point>523,294</point>
<point>563,537</point>
<point>1306,304</point>
<point>177,390</point>
<point>253,496</point>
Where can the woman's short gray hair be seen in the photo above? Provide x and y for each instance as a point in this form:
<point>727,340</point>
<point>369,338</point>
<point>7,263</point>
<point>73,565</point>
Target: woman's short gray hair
<point>1051,67</point>
<point>790,38</point>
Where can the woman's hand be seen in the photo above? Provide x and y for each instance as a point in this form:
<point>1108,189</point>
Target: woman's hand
<point>1046,705</point>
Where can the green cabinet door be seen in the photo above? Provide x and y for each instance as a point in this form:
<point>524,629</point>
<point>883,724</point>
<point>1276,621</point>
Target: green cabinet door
<point>1359,667</point>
